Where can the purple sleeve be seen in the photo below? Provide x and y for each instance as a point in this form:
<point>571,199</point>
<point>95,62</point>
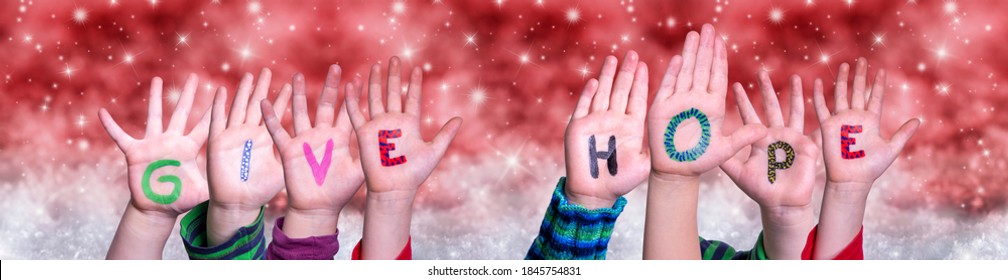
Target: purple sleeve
<point>309,248</point>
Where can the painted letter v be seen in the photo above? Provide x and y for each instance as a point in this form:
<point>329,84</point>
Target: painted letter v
<point>319,169</point>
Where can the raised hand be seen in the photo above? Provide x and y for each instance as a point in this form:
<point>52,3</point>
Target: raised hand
<point>610,110</point>
<point>794,163</point>
<point>320,172</point>
<point>782,185</point>
<point>244,171</point>
<point>855,154</point>
<point>164,177</point>
<point>685,122</point>
<point>395,158</point>
<point>864,155</point>
<point>686,140</point>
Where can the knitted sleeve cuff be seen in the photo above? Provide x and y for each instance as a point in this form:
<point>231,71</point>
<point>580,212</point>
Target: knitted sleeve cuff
<point>573,232</point>
<point>717,250</point>
<point>249,243</point>
<point>322,247</point>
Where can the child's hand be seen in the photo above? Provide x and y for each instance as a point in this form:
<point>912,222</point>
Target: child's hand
<point>243,170</point>
<point>690,106</point>
<point>686,140</point>
<point>163,174</point>
<point>867,155</point>
<point>598,173</point>
<point>395,158</point>
<point>782,185</point>
<point>855,155</point>
<point>164,178</point>
<point>320,172</point>
<point>794,164</point>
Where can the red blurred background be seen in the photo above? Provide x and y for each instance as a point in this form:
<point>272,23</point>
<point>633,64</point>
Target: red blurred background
<point>509,68</point>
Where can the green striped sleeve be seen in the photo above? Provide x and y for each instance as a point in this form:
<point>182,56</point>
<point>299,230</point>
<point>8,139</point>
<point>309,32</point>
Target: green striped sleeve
<point>717,250</point>
<point>249,243</point>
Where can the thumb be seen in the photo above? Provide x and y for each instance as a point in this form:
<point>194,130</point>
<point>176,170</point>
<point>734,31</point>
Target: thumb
<point>903,135</point>
<point>445,135</point>
<point>745,136</point>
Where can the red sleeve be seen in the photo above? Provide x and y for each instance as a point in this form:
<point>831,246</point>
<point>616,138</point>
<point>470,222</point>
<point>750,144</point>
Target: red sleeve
<point>853,251</point>
<point>405,254</point>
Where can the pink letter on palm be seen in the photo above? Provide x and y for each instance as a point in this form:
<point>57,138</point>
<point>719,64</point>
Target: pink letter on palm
<point>319,169</point>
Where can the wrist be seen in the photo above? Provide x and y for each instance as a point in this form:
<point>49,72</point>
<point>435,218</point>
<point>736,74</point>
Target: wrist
<point>847,192</point>
<point>587,201</point>
<point>151,217</point>
<point>224,220</point>
<point>786,216</point>
<point>669,179</point>
<point>299,223</point>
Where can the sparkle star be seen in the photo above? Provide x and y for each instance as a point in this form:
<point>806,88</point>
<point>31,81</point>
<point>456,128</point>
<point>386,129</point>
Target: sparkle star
<point>80,15</point>
<point>470,39</point>
<point>573,15</point>
<point>776,15</point>
<point>182,39</point>
<point>477,96</point>
<point>879,39</point>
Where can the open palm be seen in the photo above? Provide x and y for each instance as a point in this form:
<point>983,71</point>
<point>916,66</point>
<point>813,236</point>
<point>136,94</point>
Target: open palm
<point>869,154</point>
<point>247,180</point>
<point>792,184</point>
<point>406,159</point>
<point>693,91</point>
<point>327,178</point>
<point>163,172</point>
<point>602,112</point>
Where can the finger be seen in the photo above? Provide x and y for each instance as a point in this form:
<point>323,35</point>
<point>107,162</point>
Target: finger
<point>273,125</point>
<point>117,133</point>
<point>343,118</point>
<point>821,110</point>
<point>903,135</point>
<point>301,121</point>
<point>254,115</point>
<point>840,93</point>
<point>240,102</point>
<point>745,136</point>
<point>414,93</point>
<point>184,106</point>
<point>352,102</point>
<point>860,80</point>
<point>684,81</point>
<point>375,106</point>
<point>719,70</point>
<point>393,89</point>
<point>639,93</point>
<point>154,108</point>
<point>218,119</point>
<point>199,132</point>
<point>601,100</point>
<point>877,94</point>
<point>797,119</point>
<point>445,136</point>
<point>705,57</point>
<point>281,101</point>
<point>581,109</point>
<point>668,82</point>
<point>624,82</point>
<point>771,106</point>
<point>327,102</point>
<point>745,107</point>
